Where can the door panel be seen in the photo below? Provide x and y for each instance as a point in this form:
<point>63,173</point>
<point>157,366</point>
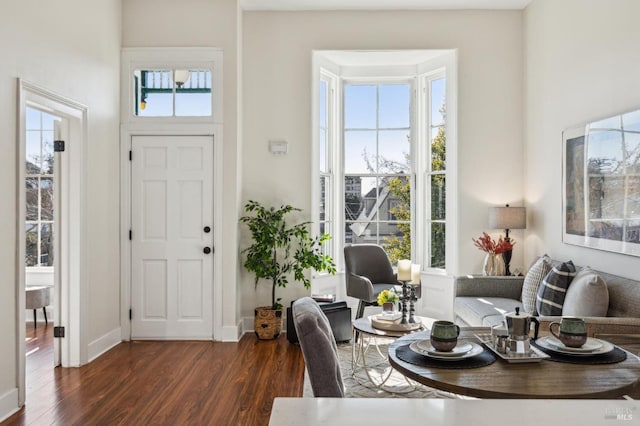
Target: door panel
<point>172,202</point>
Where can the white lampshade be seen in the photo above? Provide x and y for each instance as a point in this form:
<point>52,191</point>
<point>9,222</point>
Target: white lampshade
<point>181,77</point>
<point>507,217</point>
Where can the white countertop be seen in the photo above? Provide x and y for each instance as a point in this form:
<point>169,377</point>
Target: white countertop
<point>452,412</point>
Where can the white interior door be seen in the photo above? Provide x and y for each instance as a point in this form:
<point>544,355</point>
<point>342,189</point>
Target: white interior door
<point>172,237</point>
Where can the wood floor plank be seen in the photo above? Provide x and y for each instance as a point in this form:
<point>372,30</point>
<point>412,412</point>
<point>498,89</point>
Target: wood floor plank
<point>163,383</point>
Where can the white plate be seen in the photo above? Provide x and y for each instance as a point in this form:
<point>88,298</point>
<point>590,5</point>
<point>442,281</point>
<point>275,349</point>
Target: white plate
<point>589,346</point>
<point>476,349</point>
<point>553,344</point>
<point>459,350</point>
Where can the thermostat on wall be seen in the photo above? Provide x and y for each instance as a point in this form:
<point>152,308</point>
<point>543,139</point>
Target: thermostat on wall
<point>278,147</point>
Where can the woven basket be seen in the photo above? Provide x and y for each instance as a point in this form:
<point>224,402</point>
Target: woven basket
<point>267,323</point>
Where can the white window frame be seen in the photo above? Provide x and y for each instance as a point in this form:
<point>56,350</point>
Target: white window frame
<point>442,65</point>
<point>152,58</point>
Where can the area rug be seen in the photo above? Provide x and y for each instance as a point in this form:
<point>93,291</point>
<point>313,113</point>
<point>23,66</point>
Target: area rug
<point>360,386</point>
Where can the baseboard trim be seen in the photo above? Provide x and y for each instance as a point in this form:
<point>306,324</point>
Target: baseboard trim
<point>231,333</point>
<point>9,404</point>
<point>103,343</point>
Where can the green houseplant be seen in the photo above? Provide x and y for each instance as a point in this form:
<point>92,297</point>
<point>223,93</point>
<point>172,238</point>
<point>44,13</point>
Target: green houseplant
<point>280,249</point>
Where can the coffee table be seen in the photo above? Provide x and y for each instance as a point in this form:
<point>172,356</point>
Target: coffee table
<point>544,379</point>
<point>368,338</point>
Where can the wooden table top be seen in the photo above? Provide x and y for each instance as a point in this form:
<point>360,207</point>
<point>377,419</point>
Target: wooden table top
<point>544,379</point>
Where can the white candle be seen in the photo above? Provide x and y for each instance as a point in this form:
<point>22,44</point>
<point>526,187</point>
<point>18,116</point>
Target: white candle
<point>404,270</point>
<point>415,274</point>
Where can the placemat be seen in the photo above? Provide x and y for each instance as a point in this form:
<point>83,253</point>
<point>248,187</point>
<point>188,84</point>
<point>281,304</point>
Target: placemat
<point>616,355</point>
<point>407,355</point>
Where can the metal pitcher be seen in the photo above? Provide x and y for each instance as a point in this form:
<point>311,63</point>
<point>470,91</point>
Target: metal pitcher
<point>519,326</point>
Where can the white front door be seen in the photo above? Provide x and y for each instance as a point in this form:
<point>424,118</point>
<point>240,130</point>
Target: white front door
<point>172,237</point>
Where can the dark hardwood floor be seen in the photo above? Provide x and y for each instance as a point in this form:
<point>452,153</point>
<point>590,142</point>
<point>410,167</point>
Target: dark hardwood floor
<point>163,383</point>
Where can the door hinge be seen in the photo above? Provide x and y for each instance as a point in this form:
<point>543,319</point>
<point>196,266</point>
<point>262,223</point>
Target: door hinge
<point>130,314</point>
<point>58,331</point>
<point>130,235</point>
<point>58,146</point>
<point>130,155</point>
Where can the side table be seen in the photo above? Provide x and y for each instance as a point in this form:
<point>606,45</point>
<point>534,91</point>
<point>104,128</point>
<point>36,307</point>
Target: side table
<point>369,336</point>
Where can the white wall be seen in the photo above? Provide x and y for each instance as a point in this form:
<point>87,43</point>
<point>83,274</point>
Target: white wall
<point>277,105</point>
<point>202,23</point>
<point>582,64</point>
<point>70,47</point>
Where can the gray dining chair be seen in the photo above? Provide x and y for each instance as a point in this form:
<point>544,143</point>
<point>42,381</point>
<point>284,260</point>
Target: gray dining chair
<point>318,348</point>
<point>368,271</point>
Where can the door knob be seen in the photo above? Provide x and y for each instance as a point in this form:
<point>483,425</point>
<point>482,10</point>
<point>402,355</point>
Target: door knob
<point>207,250</point>
<point>207,229</point>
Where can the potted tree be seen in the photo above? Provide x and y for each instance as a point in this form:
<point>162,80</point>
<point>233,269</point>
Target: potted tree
<point>279,250</point>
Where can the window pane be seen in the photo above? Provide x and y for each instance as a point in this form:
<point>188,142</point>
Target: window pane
<point>322,148</point>
<point>606,197</point>
<point>33,119</point>
<point>31,244</point>
<point>47,121</point>
<point>47,152</point>
<point>396,240</point>
<point>396,203</point>
<point>33,153</point>
<point>155,93</point>
<point>438,197</point>
<point>32,198</point>
<point>438,101</point>
<point>360,107</point>
<point>323,196</point>
<point>193,93</point>
<point>632,234</point>
<point>322,120</point>
<point>394,106</point>
<point>438,245</point>
<point>393,151</point>
<point>361,232</point>
<point>46,244</point>
<point>438,149</point>
<point>46,198</point>
<point>359,151</point>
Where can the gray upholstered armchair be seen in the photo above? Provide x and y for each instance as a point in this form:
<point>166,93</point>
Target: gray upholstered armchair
<point>368,271</point>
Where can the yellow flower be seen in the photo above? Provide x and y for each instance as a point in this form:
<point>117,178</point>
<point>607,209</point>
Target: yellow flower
<point>387,296</point>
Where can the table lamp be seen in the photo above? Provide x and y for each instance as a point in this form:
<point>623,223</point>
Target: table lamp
<point>507,218</point>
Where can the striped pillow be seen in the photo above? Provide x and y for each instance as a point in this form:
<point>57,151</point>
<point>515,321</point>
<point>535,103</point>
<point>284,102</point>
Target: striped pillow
<point>553,289</point>
<point>531,284</point>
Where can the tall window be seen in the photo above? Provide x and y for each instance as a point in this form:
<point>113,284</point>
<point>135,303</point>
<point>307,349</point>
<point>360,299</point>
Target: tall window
<point>436,172</point>
<point>324,138</point>
<point>377,166</point>
<point>382,150</point>
<point>39,188</point>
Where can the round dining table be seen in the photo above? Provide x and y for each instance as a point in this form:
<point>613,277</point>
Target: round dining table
<point>543,379</point>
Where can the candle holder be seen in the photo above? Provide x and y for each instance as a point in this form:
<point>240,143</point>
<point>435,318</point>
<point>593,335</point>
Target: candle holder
<point>404,298</point>
<point>412,300</point>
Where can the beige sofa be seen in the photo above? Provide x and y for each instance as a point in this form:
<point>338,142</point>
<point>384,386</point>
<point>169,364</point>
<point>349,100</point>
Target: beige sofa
<point>482,300</point>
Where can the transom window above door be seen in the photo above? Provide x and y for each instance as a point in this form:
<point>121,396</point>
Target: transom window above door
<point>172,93</point>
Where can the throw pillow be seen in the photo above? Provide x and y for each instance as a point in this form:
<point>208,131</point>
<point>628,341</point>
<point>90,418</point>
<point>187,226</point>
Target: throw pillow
<point>531,283</point>
<point>553,289</point>
<point>587,296</point>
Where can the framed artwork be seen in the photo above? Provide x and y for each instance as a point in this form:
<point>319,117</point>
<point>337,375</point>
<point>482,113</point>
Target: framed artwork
<point>601,188</point>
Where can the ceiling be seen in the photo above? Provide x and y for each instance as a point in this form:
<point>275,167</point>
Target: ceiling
<point>381,4</point>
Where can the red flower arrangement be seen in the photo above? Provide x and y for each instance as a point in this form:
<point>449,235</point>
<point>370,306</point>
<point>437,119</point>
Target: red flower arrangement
<point>489,245</point>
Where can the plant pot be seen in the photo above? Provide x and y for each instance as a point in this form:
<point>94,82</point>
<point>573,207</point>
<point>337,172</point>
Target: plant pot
<point>387,306</point>
<point>267,322</point>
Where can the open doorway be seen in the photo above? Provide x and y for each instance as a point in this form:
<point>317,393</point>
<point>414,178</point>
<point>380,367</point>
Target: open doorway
<point>51,232</point>
<point>41,221</point>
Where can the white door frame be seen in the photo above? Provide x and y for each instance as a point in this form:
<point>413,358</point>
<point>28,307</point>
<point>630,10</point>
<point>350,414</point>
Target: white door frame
<point>162,129</point>
<point>71,230</point>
